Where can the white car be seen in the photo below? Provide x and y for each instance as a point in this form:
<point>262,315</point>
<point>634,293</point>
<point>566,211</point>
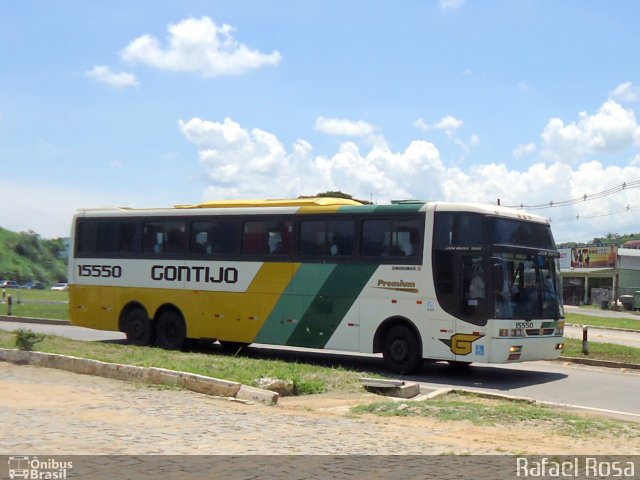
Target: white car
<point>61,287</point>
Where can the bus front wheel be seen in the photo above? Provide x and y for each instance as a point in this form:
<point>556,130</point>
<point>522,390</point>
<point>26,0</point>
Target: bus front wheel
<point>138,327</point>
<point>170,331</point>
<point>401,350</point>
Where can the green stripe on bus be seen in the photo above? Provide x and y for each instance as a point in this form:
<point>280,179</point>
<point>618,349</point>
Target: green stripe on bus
<point>382,209</point>
<point>294,301</point>
<point>331,304</point>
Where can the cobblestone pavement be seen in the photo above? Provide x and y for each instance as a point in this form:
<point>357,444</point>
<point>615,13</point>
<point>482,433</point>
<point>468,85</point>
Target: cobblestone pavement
<point>47,411</point>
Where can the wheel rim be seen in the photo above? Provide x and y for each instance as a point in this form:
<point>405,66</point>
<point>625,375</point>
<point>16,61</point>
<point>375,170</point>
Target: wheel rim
<point>170,334</point>
<point>139,328</point>
<point>400,350</point>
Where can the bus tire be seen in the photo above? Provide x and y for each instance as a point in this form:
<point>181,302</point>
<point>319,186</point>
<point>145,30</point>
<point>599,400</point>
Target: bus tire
<point>171,332</point>
<point>138,327</point>
<point>401,350</point>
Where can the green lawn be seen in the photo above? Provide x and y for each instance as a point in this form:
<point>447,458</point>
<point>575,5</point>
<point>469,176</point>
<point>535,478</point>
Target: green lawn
<point>601,351</point>
<point>37,304</point>
<point>463,406</point>
<point>308,378</point>
<point>628,323</point>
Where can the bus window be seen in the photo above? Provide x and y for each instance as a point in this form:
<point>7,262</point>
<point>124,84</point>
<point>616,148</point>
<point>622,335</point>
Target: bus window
<point>458,229</point>
<point>473,293</point>
<point>86,237</point>
<point>398,238</point>
<point>213,237</point>
<point>506,231</point>
<point>326,238</point>
<point>117,237</point>
<point>267,237</point>
<point>164,237</point>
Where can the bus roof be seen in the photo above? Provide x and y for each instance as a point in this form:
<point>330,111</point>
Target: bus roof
<point>280,202</point>
<point>316,205</point>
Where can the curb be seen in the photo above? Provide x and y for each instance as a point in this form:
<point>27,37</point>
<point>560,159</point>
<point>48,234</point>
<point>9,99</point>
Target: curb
<point>41,321</point>
<point>151,375</point>
<point>600,327</point>
<point>600,363</point>
<point>531,401</point>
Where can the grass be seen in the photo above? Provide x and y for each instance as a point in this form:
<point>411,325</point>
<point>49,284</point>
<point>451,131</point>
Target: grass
<point>309,379</point>
<point>37,304</point>
<point>466,406</point>
<point>627,323</point>
<point>601,351</point>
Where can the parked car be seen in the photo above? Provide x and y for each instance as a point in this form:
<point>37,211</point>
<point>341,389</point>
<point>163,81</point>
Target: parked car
<point>60,287</point>
<point>8,284</point>
<point>34,286</point>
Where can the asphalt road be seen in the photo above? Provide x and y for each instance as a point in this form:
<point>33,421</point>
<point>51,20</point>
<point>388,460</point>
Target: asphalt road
<point>614,390</point>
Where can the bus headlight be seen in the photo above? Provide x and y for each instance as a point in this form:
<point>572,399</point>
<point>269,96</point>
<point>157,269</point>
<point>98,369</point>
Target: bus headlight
<point>515,348</point>
<point>559,346</point>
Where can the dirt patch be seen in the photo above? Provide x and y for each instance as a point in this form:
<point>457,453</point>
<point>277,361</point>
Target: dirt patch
<point>47,411</point>
<point>526,437</point>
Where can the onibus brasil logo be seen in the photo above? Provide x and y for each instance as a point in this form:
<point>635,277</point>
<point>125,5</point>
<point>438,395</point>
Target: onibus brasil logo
<point>36,469</point>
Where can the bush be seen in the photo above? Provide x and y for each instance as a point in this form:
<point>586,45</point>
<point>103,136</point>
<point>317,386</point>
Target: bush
<point>26,339</point>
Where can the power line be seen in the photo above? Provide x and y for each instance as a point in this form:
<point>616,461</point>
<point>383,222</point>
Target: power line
<point>586,197</point>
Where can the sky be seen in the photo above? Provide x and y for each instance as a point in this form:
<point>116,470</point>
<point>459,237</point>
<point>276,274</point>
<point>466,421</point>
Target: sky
<point>155,103</point>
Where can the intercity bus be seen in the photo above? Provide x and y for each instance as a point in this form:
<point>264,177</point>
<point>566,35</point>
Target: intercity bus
<point>415,281</point>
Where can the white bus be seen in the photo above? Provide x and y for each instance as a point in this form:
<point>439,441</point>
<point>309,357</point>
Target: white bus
<point>460,283</point>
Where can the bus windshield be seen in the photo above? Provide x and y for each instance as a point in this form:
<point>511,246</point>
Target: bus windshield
<point>526,286</point>
<point>507,231</point>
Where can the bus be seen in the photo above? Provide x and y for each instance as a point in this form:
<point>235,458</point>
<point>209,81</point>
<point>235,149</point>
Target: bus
<point>414,281</point>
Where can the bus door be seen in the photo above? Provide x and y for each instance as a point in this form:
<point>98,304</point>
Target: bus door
<point>460,279</point>
<point>440,330</point>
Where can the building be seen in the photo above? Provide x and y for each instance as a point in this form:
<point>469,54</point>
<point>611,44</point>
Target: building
<point>595,274</point>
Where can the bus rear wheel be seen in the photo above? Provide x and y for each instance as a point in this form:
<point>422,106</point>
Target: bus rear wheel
<point>138,327</point>
<point>171,332</point>
<point>401,350</point>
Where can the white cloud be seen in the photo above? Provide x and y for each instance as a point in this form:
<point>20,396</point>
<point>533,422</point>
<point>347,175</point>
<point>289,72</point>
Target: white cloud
<point>626,92</point>
<point>451,4</point>
<point>612,129</point>
<point>103,74</point>
<point>524,150</point>
<point>242,163</point>
<point>422,124</point>
<point>199,46</point>
<point>345,128</point>
<point>449,124</point>
<point>239,163</point>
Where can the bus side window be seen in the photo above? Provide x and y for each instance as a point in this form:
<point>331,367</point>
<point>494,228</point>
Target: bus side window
<point>340,236</point>
<point>254,237</point>
<point>313,238</point>
<point>175,239</point>
<point>201,236</point>
<point>86,237</point>
<point>280,238</point>
<point>152,237</point>
<point>375,238</point>
<point>212,237</point>
<point>164,237</point>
